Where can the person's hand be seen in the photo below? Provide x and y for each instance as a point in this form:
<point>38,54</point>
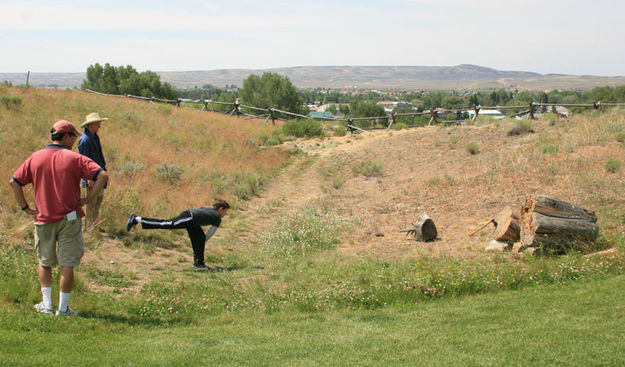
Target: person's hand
<point>81,202</point>
<point>90,183</point>
<point>30,211</point>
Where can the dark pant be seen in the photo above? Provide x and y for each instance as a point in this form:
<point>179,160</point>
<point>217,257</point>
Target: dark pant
<point>183,220</point>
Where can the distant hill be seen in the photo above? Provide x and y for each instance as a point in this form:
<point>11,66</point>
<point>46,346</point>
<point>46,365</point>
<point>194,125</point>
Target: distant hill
<point>383,77</point>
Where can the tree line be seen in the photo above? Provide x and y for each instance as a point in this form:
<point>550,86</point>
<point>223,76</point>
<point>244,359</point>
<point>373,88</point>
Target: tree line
<point>271,90</point>
<point>126,80</point>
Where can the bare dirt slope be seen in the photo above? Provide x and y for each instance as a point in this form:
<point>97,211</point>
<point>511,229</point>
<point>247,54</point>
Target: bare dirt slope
<point>423,170</point>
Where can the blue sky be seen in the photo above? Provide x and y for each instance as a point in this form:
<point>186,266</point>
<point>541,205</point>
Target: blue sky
<point>569,37</point>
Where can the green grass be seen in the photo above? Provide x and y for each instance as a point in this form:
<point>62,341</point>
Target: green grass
<point>295,301</point>
<point>369,169</point>
<point>574,324</point>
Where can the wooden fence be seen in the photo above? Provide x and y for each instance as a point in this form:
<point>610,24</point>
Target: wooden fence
<point>389,120</point>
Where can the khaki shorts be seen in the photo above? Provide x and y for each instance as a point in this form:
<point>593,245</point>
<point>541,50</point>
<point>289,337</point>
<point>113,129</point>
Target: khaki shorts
<point>70,248</point>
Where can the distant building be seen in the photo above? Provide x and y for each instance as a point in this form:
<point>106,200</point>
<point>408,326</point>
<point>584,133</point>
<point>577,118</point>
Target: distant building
<point>321,114</point>
<point>496,114</point>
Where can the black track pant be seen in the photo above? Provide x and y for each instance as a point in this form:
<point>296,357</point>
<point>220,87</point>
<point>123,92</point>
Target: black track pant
<point>183,220</point>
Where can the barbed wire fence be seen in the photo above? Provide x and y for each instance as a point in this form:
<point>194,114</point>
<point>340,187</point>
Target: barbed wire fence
<point>387,121</point>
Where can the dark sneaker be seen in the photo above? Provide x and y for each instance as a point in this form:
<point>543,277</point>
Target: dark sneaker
<point>40,307</point>
<point>131,222</point>
<point>201,267</point>
<point>67,312</point>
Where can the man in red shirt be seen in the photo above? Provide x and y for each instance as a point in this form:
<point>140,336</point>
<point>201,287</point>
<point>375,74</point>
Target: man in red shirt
<point>55,174</point>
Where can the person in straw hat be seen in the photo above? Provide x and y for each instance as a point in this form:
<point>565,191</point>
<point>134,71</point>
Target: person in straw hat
<point>89,145</point>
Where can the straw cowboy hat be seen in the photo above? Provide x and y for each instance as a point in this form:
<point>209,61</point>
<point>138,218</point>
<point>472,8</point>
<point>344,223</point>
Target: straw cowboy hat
<point>93,117</point>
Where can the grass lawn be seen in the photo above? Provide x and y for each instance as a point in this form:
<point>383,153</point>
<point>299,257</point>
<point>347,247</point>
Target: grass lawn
<point>575,324</point>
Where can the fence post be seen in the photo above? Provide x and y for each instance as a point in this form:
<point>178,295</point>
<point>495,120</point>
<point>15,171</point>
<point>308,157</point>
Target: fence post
<point>532,111</point>
<point>477,111</point>
<point>349,127</point>
<point>273,121</point>
<point>392,122</point>
<point>432,117</point>
<point>236,107</point>
<point>178,102</point>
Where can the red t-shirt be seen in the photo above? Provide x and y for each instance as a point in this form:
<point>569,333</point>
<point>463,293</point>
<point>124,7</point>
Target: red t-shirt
<point>55,173</point>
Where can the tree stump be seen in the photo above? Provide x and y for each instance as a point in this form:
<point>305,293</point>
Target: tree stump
<point>507,226</point>
<point>424,229</point>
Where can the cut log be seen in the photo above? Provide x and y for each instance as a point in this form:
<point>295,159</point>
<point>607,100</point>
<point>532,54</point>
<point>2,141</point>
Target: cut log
<point>546,219</point>
<point>424,229</point>
<point>546,229</point>
<point>507,226</point>
<point>554,207</point>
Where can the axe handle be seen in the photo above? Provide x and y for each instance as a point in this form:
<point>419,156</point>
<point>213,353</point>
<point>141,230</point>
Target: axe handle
<point>481,227</point>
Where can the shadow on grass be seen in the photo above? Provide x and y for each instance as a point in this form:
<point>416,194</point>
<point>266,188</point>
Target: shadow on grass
<point>215,269</point>
<point>133,320</point>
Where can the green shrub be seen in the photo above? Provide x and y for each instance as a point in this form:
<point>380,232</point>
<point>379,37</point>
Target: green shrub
<point>303,128</point>
<point>473,148</point>
<point>613,165</point>
<point>130,169</point>
<point>399,126</point>
<point>10,101</point>
<point>548,149</point>
<point>620,137</point>
<point>433,182</point>
<point>368,169</point>
<point>337,182</point>
<point>169,173</point>
<point>246,184</point>
<point>340,131</point>
<point>522,127</point>
<point>262,139</point>
<point>274,140</point>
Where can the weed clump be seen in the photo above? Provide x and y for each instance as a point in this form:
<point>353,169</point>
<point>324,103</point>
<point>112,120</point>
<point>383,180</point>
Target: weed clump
<point>522,127</point>
<point>473,148</point>
<point>368,169</point>
<point>302,233</point>
<point>169,173</point>
<point>613,165</point>
<point>549,149</point>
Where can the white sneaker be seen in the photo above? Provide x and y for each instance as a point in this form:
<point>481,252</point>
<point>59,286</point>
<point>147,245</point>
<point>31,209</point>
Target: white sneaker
<point>68,312</point>
<point>40,307</point>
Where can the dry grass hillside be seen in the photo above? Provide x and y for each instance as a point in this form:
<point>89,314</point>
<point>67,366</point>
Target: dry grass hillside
<point>431,170</point>
<point>378,181</point>
<point>160,158</point>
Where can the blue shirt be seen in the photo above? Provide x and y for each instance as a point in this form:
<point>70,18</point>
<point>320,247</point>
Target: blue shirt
<point>89,145</point>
